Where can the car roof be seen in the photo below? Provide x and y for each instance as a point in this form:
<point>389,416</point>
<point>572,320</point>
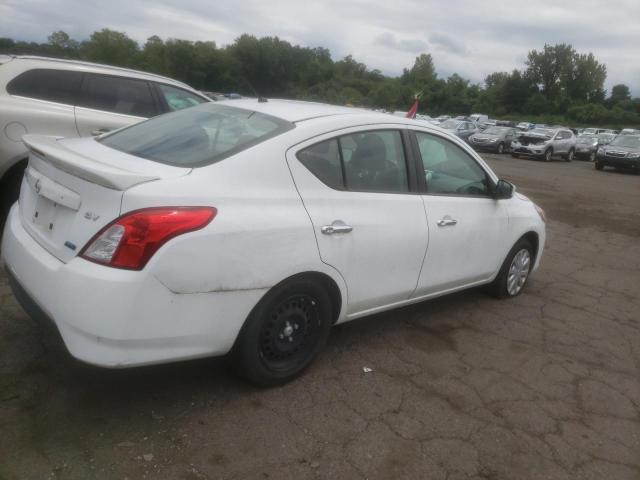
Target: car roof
<point>298,111</point>
<point>100,68</point>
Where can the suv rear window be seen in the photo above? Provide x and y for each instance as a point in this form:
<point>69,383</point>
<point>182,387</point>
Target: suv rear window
<point>46,84</point>
<point>198,135</point>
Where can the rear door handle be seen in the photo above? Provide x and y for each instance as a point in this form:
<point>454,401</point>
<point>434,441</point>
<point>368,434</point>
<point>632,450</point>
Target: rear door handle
<point>447,222</point>
<point>337,226</point>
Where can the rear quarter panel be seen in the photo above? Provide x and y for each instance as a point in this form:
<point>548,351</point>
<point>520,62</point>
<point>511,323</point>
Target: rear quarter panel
<point>260,236</point>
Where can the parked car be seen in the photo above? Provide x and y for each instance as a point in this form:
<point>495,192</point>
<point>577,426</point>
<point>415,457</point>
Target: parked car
<point>586,147</point>
<point>622,153</point>
<point>71,98</point>
<point>629,131</point>
<point>597,131</point>
<point>495,139</point>
<point>505,123</point>
<point>525,126</point>
<point>252,228</point>
<point>545,143</point>
<point>479,118</point>
<point>605,138</point>
<point>461,128</point>
<point>443,118</point>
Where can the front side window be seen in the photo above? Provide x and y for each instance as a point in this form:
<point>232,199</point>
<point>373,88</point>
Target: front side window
<point>118,95</point>
<point>177,98</point>
<point>449,170</point>
<point>196,136</point>
<point>371,161</point>
<point>59,86</point>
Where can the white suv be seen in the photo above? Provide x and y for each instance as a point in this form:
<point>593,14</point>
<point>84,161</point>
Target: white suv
<point>70,99</point>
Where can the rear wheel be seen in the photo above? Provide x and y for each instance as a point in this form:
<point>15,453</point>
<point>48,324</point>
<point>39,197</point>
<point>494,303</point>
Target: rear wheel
<point>284,333</point>
<point>548,154</point>
<point>599,166</point>
<point>592,156</point>
<point>514,272</point>
<point>570,155</point>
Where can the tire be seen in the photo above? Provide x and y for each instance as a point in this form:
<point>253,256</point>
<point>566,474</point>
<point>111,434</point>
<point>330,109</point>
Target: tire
<point>503,286</point>
<point>548,153</point>
<point>283,333</point>
<point>570,155</point>
<point>515,155</point>
<point>599,166</point>
<point>592,156</point>
<point>501,148</point>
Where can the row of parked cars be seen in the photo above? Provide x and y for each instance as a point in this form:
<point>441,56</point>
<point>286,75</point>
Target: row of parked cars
<point>604,147</point>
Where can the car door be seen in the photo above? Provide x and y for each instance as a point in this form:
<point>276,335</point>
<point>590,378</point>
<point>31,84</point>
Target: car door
<point>560,143</point>
<point>467,226</point>
<point>368,220</point>
<point>109,102</point>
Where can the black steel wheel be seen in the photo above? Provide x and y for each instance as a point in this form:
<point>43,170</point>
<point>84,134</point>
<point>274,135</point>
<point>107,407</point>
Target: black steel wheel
<point>284,333</point>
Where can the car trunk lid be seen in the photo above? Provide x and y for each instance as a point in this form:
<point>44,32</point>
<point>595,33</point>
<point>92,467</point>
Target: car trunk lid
<point>73,188</point>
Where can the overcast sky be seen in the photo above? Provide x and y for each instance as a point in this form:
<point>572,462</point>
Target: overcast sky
<point>470,38</point>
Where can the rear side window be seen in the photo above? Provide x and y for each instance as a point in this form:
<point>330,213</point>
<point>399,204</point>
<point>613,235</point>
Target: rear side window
<point>197,136</point>
<point>118,95</point>
<point>372,161</point>
<point>59,86</point>
<point>177,98</point>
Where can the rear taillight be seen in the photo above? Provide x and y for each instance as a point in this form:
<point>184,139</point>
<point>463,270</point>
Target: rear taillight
<point>131,240</point>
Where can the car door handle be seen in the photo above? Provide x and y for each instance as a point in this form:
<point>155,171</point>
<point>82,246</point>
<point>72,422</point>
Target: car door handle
<point>447,222</point>
<point>100,131</point>
<point>335,227</point>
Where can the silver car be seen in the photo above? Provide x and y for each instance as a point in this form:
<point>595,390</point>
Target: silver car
<point>69,98</point>
<point>545,143</point>
<point>493,139</point>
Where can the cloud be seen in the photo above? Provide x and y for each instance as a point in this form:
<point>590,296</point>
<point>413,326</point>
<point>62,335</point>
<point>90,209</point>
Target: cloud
<point>470,39</point>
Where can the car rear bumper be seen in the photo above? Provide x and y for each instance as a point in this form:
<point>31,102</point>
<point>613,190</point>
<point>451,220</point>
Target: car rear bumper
<point>118,318</point>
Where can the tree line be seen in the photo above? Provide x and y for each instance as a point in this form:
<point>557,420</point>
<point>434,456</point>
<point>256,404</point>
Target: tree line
<point>556,85</point>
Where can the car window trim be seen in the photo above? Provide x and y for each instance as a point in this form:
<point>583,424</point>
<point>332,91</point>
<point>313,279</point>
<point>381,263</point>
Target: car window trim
<point>83,92</point>
<point>422,182</point>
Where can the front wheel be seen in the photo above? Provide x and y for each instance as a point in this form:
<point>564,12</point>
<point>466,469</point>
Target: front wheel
<point>592,156</point>
<point>501,148</point>
<point>284,333</point>
<point>514,272</point>
<point>548,154</point>
<point>599,166</point>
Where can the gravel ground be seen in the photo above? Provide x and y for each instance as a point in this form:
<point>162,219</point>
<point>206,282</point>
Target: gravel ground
<point>463,387</point>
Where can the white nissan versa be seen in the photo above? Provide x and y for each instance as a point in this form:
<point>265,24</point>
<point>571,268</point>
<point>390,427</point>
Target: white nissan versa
<point>251,227</point>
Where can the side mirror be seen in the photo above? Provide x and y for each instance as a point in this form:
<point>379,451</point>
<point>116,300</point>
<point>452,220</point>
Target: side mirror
<point>503,190</point>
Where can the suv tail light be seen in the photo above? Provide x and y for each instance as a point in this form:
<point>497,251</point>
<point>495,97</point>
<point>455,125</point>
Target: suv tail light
<point>131,240</point>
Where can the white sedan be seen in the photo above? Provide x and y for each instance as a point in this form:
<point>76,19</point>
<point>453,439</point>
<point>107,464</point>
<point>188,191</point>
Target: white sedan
<point>251,228</point>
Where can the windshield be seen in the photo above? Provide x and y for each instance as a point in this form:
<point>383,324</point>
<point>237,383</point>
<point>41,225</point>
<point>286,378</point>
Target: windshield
<point>606,137</point>
<point>629,141</point>
<point>495,130</point>
<point>587,139</point>
<point>196,136</point>
<point>542,131</point>
<point>450,124</point>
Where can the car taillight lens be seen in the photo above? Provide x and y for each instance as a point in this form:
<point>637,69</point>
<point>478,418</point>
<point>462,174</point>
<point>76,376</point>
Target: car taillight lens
<point>131,240</point>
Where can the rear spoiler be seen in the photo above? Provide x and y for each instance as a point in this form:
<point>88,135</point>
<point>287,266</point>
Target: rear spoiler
<point>50,150</point>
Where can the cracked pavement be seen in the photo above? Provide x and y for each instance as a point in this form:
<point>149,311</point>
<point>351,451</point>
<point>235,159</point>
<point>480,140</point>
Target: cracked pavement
<point>545,386</point>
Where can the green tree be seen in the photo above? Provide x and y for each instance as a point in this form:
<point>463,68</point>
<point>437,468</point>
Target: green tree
<point>112,48</point>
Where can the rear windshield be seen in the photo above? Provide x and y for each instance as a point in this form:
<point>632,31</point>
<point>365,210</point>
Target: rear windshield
<point>197,136</point>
